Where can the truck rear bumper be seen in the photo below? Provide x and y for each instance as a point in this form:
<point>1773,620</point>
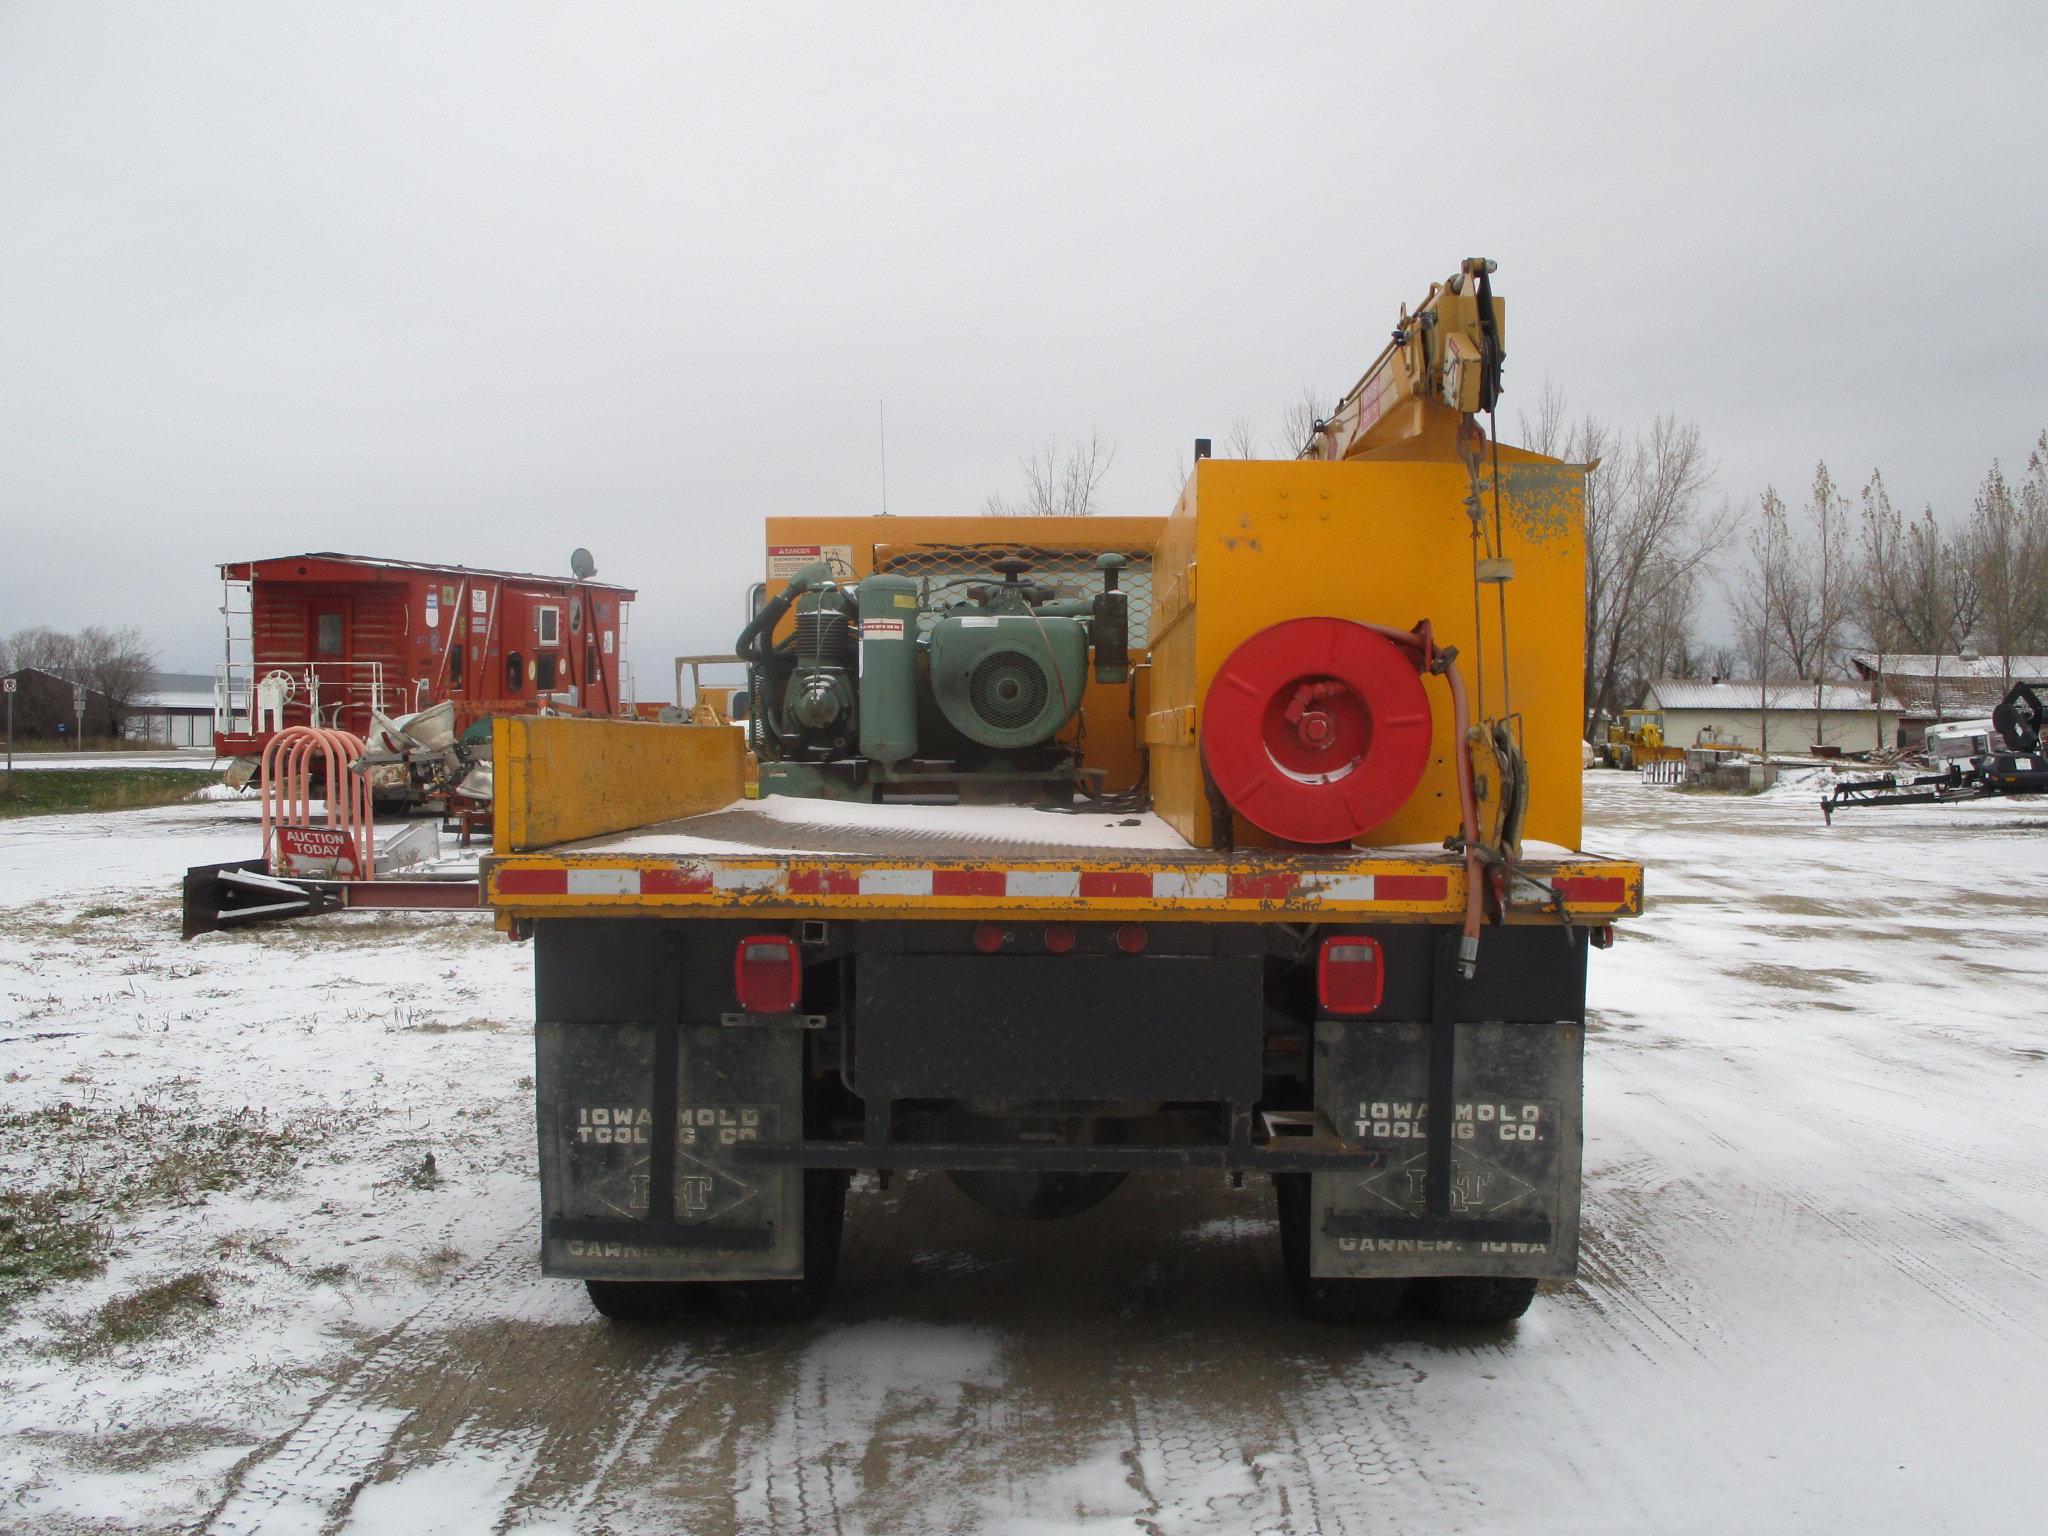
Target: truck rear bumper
<point>1266,886</point>
<point>672,1143</point>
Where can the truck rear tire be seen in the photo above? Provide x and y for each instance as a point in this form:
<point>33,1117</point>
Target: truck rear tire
<point>1325,1300</point>
<point>749,1301</point>
<point>1476,1299</point>
<point>641,1301</point>
<point>795,1301</point>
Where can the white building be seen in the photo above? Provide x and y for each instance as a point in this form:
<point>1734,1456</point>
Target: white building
<point>1697,710</point>
<point>177,711</point>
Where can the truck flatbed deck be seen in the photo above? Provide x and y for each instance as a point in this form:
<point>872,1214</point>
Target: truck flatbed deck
<point>790,857</point>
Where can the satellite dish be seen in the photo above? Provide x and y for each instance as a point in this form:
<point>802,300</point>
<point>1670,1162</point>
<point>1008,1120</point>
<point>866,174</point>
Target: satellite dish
<point>581,563</point>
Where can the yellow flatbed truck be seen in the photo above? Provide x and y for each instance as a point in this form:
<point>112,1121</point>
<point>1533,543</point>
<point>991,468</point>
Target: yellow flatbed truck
<point>1258,895</point>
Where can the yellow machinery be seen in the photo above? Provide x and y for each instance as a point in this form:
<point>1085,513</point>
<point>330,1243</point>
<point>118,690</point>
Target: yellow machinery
<point>1351,691</point>
<point>709,703</point>
<point>1636,740</point>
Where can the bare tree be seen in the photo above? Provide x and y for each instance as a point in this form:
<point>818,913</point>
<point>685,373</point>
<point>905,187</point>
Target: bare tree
<point>1919,592</point>
<point>1669,645</point>
<point>1059,484</point>
<point>117,665</point>
<point>1830,582</point>
<point>2006,548</point>
<point>1881,582</point>
<point>1758,599</point>
<point>1793,612</point>
<point>1242,439</point>
<point>1649,539</point>
<point>1298,423</point>
<point>1551,432</point>
<point>46,650</point>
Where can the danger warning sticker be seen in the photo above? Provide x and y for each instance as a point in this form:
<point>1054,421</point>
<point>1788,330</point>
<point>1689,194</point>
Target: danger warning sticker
<point>881,629</point>
<point>785,560</point>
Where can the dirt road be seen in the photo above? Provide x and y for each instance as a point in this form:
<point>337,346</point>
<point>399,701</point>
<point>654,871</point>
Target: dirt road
<point>1817,1214</point>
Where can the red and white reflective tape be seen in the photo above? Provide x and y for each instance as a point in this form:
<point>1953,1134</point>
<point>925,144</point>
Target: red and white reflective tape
<point>1106,886</point>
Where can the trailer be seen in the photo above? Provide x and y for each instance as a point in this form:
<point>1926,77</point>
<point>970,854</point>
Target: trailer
<point>1089,848</point>
<point>2007,758</point>
<point>344,642</point>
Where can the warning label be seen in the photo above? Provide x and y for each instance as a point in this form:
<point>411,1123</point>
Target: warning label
<point>785,560</point>
<point>881,629</point>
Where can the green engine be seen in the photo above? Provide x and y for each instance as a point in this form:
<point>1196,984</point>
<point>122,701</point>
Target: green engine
<point>890,688</point>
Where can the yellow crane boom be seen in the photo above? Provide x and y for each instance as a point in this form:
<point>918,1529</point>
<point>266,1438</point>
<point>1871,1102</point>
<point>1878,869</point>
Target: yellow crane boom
<point>1446,355</point>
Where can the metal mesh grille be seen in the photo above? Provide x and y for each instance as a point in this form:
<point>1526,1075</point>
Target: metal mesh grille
<point>1007,689</point>
<point>1069,572</point>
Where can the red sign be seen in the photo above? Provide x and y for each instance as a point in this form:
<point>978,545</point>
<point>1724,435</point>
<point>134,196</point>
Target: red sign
<point>317,853</point>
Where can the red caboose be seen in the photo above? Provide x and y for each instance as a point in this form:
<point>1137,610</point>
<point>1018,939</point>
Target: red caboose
<point>325,639</point>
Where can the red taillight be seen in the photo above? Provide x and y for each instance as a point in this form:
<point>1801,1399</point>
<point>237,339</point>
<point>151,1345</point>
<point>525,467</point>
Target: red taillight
<point>767,974</point>
<point>1131,938</point>
<point>1351,976</point>
<point>1059,938</point>
<point>988,938</point>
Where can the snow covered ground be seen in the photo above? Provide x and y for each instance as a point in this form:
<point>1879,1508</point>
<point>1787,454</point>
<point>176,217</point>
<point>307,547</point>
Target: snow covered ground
<point>1816,1222</point>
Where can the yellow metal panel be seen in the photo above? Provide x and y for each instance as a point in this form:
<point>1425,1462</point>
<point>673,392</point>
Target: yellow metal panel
<point>1176,770</point>
<point>1170,727</point>
<point>1387,540</point>
<point>558,779</point>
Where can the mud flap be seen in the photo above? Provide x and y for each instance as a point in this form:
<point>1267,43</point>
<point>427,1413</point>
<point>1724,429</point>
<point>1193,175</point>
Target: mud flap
<point>637,1124</point>
<point>1510,1202</point>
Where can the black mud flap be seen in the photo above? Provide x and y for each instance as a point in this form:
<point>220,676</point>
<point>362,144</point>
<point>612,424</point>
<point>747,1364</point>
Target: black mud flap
<point>637,1183</point>
<point>638,1121</point>
<point>1506,1199</point>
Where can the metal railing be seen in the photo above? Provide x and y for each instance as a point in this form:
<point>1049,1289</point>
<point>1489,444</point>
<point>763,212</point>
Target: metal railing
<point>257,698</point>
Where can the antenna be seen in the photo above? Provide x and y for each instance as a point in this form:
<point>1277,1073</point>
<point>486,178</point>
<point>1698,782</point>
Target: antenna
<point>882,419</point>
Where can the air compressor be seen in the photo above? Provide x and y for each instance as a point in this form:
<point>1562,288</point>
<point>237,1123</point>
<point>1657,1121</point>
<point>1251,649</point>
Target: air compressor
<point>894,688</point>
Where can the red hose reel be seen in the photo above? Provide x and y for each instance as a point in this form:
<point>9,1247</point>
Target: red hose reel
<point>1316,730</point>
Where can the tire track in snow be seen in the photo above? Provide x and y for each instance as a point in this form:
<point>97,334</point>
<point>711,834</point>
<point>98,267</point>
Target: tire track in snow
<point>1899,1249</point>
<point>305,1480</point>
<point>1628,1217</point>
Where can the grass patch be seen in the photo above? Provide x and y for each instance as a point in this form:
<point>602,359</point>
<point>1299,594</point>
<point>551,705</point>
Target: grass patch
<point>45,1238</point>
<point>56,792</point>
<point>434,1267</point>
<point>148,1312</point>
<point>156,1154</point>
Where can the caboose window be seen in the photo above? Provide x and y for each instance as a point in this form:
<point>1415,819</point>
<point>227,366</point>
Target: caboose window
<point>589,664</point>
<point>550,625</point>
<point>544,671</point>
<point>454,666</point>
<point>327,638</point>
<point>515,672</point>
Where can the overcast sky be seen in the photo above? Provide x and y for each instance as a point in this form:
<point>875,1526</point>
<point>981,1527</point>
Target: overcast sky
<point>481,284</point>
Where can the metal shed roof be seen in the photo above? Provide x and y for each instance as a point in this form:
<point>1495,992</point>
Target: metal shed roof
<point>1931,666</point>
<point>1737,695</point>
